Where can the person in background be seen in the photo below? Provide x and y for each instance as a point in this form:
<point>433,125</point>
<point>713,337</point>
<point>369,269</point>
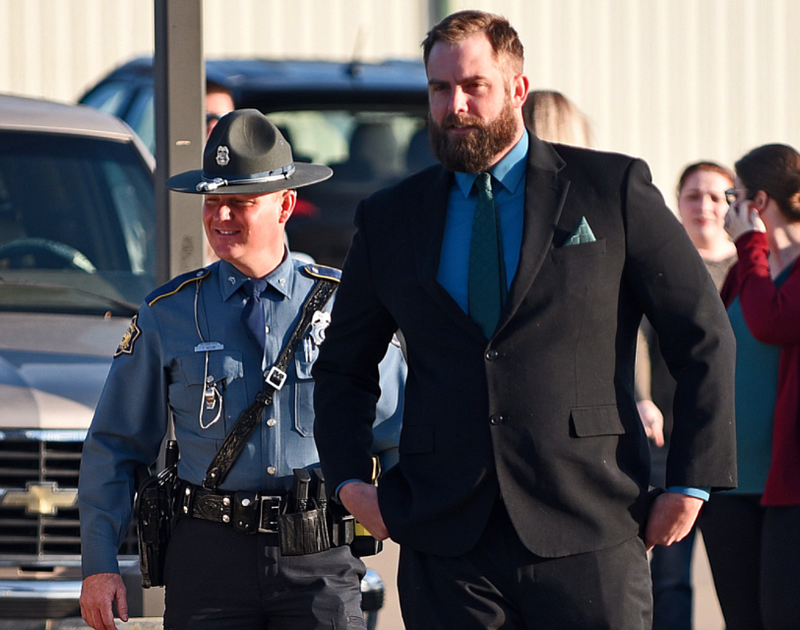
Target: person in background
<point>701,207</point>
<point>219,101</point>
<point>554,118</point>
<point>518,272</point>
<point>752,534</point>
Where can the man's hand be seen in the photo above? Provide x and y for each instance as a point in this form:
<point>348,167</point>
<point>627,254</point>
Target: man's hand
<point>361,500</point>
<point>671,518</point>
<point>653,421</point>
<point>98,592</point>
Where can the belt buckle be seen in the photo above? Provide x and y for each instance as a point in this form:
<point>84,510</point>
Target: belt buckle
<point>276,377</point>
<point>272,507</point>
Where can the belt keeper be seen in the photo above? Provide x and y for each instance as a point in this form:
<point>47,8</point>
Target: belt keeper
<point>245,510</point>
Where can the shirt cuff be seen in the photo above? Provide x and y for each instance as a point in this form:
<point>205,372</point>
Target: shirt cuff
<point>697,493</point>
<point>98,558</point>
<point>340,486</point>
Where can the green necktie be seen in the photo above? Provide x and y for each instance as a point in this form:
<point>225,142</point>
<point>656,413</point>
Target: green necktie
<point>487,269</point>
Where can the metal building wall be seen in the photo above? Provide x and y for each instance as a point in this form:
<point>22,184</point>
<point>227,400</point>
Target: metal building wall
<point>332,29</point>
<point>672,81</point>
<point>58,48</point>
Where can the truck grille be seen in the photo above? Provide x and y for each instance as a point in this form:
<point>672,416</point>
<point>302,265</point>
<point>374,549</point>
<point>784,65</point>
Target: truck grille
<point>33,461</point>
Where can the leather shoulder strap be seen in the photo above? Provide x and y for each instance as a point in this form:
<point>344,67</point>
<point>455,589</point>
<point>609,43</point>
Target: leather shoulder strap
<point>239,435</point>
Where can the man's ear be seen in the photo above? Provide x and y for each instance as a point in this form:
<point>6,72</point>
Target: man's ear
<point>520,85</point>
<point>288,201</point>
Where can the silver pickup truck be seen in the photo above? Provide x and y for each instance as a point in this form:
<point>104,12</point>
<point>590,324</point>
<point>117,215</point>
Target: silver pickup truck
<point>76,258</point>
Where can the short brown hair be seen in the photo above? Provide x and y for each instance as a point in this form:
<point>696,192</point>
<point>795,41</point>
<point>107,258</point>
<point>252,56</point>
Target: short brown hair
<point>709,167</point>
<point>775,169</point>
<point>458,26</point>
<point>212,87</point>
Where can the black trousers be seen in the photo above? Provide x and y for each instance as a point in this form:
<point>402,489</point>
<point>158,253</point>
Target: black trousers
<point>218,578</point>
<point>500,584</point>
<point>754,553</point>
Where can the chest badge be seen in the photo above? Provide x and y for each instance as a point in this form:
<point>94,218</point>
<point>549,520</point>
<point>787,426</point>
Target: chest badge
<point>319,322</point>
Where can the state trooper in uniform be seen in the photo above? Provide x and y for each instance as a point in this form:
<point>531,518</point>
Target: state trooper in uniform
<point>191,353</point>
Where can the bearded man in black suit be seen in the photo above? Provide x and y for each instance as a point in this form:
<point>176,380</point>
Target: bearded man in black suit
<point>518,272</point>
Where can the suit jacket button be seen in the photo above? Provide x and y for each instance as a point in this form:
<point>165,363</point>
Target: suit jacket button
<point>496,419</point>
<point>491,355</point>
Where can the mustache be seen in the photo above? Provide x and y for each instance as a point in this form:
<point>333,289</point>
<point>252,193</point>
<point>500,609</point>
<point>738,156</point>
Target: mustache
<point>461,120</point>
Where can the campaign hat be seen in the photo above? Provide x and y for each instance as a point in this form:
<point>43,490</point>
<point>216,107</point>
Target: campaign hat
<point>247,154</point>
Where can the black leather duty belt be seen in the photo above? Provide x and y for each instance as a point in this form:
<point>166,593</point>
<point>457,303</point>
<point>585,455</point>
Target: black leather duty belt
<point>248,512</point>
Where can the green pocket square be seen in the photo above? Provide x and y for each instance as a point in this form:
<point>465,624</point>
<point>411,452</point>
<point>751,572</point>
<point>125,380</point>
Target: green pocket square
<point>581,234</point>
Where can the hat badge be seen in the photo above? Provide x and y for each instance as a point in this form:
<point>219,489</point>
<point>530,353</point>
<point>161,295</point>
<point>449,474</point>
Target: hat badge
<point>223,155</point>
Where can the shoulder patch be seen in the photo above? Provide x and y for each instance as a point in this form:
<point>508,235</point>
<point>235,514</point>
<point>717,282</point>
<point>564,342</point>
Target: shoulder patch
<point>129,338</point>
<point>175,285</point>
<point>323,271</point>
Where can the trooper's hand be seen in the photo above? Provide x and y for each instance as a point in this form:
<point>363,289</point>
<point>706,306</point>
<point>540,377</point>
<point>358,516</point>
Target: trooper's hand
<point>671,518</point>
<point>361,500</point>
<point>98,592</point>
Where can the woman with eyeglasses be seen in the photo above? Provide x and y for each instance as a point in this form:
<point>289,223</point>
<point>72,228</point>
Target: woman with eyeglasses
<point>752,534</point>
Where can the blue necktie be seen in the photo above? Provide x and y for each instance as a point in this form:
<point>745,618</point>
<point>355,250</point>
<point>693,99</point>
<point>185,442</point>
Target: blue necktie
<point>253,312</point>
<point>487,270</point>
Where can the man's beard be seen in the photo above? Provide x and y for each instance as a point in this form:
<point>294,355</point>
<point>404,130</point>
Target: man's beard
<point>473,152</point>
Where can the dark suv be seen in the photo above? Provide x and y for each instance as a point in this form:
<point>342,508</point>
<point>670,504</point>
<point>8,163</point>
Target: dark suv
<point>366,121</point>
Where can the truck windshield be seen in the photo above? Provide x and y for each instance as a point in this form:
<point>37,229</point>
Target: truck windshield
<point>76,220</point>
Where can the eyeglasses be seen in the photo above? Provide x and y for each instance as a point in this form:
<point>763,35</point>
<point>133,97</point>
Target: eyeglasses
<point>213,117</point>
<point>732,195</point>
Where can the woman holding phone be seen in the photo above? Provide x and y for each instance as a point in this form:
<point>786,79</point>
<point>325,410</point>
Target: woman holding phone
<point>752,534</point>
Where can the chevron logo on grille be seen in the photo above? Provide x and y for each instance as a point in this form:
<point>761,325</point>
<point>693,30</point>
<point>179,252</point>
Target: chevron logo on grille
<point>41,498</point>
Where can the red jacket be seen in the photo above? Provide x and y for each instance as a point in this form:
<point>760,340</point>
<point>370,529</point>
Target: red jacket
<point>773,316</point>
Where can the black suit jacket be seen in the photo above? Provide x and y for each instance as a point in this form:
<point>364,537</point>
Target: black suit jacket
<point>543,412</point>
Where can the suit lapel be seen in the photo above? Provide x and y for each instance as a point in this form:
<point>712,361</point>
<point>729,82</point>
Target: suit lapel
<point>545,193</point>
<point>429,218</point>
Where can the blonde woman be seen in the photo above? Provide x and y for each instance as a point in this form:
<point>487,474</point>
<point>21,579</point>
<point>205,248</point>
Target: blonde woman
<point>554,118</point>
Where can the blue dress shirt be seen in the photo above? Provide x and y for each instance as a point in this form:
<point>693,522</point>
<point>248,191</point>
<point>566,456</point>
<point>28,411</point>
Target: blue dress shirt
<point>509,194</point>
